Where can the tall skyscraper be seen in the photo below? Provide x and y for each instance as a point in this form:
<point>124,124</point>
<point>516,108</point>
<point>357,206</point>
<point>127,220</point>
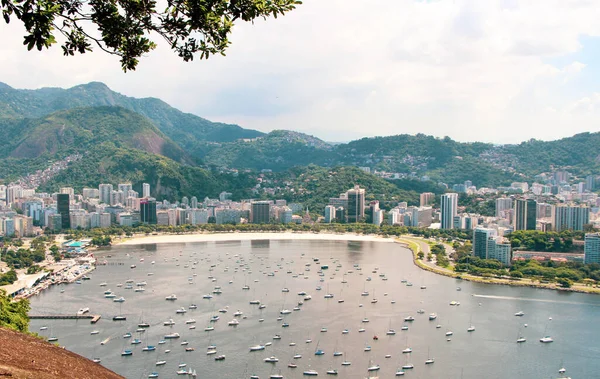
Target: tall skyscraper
<point>525,214</point>
<point>448,208</point>
<point>260,212</point>
<point>503,204</point>
<point>426,199</point>
<point>481,242</point>
<point>488,245</point>
<point>590,182</point>
<point>148,211</point>
<point>356,204</point>
<point>145,190</point>
<point>592,248</point>
<point>570,217</point>
<point>63,207</point>
<point>194,202</point>
<point>105,191</point>
<point>329,213</point>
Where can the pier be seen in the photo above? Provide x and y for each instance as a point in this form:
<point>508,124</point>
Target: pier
<point>93,318</point>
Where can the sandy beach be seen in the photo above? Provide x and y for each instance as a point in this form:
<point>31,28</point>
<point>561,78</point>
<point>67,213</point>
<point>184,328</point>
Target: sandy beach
<point>236,236</point>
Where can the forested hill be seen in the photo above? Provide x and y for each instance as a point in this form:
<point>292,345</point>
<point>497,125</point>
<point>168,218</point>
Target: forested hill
<point>77,130</point>
<point>184,128</point>
<point>190,139</point>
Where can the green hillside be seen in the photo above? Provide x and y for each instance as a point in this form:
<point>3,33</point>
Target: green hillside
<point>578,154</point>
<point>107,163</point>
<point>278,150</point>
<point>76,130</point>
<point>315,185</point>
<point>183,128</point>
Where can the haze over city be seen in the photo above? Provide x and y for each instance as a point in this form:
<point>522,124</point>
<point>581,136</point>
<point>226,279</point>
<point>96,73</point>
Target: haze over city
<point>497,71</point>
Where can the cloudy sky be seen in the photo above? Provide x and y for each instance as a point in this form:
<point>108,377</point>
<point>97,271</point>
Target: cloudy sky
<point>498,71</point>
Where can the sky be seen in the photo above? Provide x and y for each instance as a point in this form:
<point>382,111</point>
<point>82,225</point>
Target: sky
<point>500,71</point>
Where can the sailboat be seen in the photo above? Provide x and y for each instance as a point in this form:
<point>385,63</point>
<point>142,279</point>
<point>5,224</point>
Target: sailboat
<point>319,351</point>
<point>372,367</point>
<point>471,328</point>
<point>546,338</point>
<point>429,360</point>
<point>390,331</point>
<point>520,338</point>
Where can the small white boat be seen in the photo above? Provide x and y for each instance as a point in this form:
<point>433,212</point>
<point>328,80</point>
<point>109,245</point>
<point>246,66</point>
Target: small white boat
<point>233,322</point>
<point>171,297</point>
<point>546,339</point>
<point>271,359</point>
<point>520,313</point>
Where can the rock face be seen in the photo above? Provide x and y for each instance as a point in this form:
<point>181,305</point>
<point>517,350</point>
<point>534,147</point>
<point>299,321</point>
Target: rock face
<point>24,356</point>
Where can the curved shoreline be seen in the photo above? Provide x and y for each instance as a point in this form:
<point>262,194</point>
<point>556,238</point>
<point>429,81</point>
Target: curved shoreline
<point>414,248</point>
<point>249,236</point>
<point>410,243</point>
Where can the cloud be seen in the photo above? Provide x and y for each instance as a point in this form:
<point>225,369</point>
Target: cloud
<point>343,69</point>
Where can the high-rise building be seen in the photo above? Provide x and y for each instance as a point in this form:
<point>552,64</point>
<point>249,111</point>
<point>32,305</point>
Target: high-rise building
<point>260,212</point>
<point>426,199</point>
<point>194,202</point>
<point>592,248</point>
<point>148,213</point>
<point>570,217</point>
<point>421,216</point>
<point>185,201</point>
<point>105,191</point>
<point>228,216</point>
<point>590,183</point>
<point>329,213</point>
<point>285,215</point>
<point>378,217</point>
<point>356,204</point>
<point>481,245</point>
<point>448,208</point>
<point>145,190</point>
<point>224,196</point>
<point>125,187</point>
<point>488,245</point>
<point>503,204</point>
<point>525,214</point>
<point>90,193</point>
<point>63,207</point>
<point>68,191</point>
<point>502,251</point>
<point>198,216</point>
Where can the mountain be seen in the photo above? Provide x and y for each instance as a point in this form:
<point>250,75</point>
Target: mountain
<point>108,163</point>
<point>183,128</point>
<point>114,145</point>
<point>40,123</point>
<point>77,130</point>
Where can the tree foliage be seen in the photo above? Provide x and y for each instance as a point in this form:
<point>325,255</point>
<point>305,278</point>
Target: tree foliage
<point>126,28</point>
<point>533,240</point>
<point>13,315</point>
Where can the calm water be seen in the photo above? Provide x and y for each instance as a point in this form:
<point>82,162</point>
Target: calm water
<point>490,351</point>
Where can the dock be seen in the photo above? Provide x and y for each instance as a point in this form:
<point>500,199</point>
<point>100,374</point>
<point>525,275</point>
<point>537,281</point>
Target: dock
<point>93,318</point>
